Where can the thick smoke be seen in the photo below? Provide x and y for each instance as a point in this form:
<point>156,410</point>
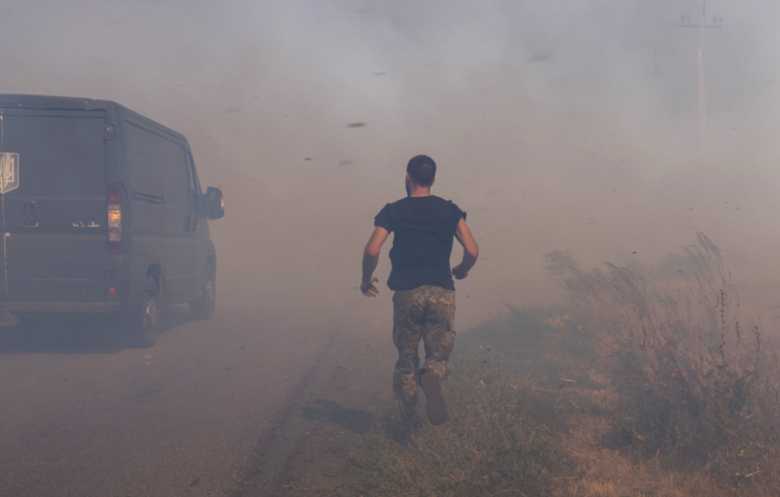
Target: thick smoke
<point>557,125</point>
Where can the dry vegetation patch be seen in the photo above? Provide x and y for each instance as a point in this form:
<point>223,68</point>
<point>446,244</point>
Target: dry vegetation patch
<point>649,383</point>
<point>696,385</point>
<point>499,442</point>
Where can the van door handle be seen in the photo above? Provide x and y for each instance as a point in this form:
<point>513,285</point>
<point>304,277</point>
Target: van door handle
<point>31,219</point>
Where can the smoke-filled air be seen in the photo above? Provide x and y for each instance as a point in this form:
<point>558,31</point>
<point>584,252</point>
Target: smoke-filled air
<point>617,164</point>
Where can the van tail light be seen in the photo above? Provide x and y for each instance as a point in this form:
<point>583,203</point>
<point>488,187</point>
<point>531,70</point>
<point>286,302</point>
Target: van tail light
<point>114,215</point>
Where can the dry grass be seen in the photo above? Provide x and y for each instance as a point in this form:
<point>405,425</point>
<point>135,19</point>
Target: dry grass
<point>695,386</point>
<point>501,440</point>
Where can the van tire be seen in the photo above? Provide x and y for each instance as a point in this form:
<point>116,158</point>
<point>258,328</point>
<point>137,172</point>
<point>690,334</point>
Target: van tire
<point>203,307</point>
<point>143,320</point>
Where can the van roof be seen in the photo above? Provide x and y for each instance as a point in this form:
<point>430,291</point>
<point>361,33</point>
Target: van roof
<point>74,103</point>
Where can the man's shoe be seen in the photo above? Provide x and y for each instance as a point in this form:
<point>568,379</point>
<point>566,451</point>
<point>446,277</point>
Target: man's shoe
<point>409,423</point>
<point>434,400</point>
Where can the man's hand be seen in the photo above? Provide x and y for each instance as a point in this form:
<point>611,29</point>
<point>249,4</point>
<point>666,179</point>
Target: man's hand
<point>369,288</point>
<point>459,272</point>
<point>370,261</point>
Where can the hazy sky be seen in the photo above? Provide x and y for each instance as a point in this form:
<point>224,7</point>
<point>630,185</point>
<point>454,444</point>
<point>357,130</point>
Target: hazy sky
<point>557,124</point>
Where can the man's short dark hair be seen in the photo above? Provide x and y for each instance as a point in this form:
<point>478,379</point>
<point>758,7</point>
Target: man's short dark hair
<point>422,170</point>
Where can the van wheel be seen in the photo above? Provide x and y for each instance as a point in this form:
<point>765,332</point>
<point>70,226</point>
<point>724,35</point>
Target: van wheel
<point>144,320</point>
<point>204,306</point>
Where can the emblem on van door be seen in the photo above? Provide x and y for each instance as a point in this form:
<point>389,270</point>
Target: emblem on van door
<point>9,172</point>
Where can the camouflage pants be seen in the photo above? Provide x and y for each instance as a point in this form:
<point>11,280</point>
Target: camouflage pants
<point>425,313</point>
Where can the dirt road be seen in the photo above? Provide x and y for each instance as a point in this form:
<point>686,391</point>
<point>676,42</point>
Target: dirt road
<point>82,417</point>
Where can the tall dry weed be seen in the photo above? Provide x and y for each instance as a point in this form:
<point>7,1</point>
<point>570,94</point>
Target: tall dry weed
<point>697,385</point>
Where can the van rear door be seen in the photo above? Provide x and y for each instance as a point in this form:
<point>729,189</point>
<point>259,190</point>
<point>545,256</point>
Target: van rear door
<point>52,219</point>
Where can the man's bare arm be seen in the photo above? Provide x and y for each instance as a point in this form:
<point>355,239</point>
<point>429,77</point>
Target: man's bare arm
<point>370,261</point>
<point>470,250</point>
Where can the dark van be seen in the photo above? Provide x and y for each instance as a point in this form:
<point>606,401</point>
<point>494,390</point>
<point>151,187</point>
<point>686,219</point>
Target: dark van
<point>101,211</point>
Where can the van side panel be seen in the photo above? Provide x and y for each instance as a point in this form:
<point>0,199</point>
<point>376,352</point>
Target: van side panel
<point>162,207</point>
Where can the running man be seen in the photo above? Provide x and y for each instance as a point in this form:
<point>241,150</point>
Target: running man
<point>424,227</point>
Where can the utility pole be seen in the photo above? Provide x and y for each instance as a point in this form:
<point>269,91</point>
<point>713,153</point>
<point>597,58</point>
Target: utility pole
<point>701,22</point>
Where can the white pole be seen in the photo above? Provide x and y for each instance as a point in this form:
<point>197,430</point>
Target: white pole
<point>702,25</point>
<point>702,93</point>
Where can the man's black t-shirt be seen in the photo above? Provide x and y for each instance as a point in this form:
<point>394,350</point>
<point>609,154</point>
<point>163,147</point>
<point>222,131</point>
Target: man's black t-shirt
<point>424,229</point>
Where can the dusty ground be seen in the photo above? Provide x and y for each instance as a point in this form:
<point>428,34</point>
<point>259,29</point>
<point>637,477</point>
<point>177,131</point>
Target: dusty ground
<point>260,404</point>
<point>82,417</point>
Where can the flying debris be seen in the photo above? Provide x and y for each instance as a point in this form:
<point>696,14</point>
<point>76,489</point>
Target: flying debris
<point>540,57</point>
